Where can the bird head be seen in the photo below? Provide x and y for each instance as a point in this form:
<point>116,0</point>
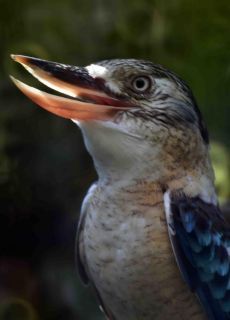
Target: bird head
<point>137,118</point>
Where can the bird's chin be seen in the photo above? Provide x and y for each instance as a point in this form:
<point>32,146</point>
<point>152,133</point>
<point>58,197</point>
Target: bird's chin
<point>86,97</point>
<point>110,127</point>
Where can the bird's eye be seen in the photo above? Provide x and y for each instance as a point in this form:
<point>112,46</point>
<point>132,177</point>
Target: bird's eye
<point>141,84</point>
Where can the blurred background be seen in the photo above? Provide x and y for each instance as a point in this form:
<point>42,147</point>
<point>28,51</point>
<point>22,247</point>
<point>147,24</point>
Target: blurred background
<point>44,168</point>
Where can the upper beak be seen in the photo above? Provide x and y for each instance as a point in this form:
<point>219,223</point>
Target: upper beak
<point>96,101</point>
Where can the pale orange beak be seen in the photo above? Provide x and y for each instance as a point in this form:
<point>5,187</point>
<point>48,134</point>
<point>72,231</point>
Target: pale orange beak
<point>91,99</point>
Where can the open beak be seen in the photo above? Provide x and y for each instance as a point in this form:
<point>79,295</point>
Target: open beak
<point>90,98</point>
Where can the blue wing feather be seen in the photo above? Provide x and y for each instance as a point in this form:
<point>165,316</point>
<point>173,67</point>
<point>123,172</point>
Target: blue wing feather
<point>201,244</point>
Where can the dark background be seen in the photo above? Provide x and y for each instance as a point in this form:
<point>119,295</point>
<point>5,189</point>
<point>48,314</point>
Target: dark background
<point>44,168</point>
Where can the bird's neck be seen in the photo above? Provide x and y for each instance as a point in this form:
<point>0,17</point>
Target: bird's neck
<point>124,162</point>
<point>120,158</point>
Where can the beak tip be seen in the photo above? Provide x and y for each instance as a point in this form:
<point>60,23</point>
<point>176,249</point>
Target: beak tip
<point>13,56</point>
<point>20,58</point>
<point>12,78</point>
<point>15,81</point>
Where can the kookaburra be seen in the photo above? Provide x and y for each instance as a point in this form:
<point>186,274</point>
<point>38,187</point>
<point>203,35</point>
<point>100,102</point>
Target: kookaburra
<point>151,239</point>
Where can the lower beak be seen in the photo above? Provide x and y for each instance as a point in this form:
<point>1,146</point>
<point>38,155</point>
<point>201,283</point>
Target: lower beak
<point>91,99</point>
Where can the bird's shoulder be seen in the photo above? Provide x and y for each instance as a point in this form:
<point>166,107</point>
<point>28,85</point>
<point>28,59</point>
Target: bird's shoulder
<point>200,237</point>
<point>79,246</point>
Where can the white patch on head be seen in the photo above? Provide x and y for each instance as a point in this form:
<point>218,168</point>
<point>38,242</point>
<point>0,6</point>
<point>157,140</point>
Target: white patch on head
<point>113,87</point>
<point>97,71</point>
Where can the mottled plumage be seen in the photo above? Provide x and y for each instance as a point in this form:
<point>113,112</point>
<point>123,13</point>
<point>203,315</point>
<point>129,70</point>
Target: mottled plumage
<point>151,239</point>
<point>201,239</point>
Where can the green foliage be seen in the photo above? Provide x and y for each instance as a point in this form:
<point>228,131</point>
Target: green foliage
<point>220,158</point>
